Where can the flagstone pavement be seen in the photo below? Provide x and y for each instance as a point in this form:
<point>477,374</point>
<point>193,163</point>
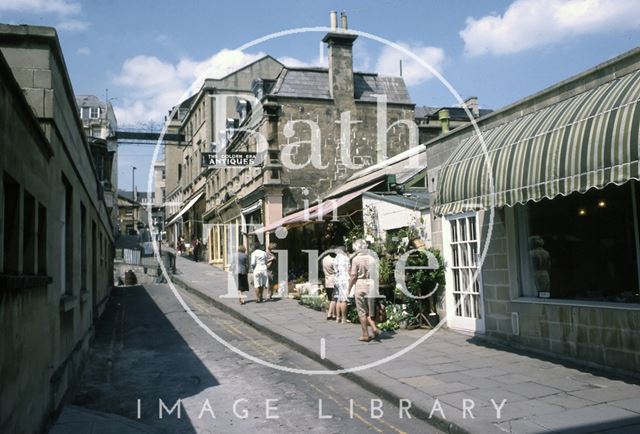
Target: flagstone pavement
<point>458,371</point>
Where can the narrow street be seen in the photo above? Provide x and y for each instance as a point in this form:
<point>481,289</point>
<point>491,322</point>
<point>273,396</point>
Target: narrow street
<point>147,348</point>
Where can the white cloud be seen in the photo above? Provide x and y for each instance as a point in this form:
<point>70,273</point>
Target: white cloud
<point>60,7</point>
<point>413,72</point>
<point>71,25</point>
<point>84,51</point>
<point>361,57</point>
<point>531,23</point>
<point>153,86</point>
<point>293,62</point>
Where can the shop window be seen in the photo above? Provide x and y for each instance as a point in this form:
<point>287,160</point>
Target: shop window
<point>42,240</point>
<point>582,246</point>
<point>11,215</point>
<point>28,234</point>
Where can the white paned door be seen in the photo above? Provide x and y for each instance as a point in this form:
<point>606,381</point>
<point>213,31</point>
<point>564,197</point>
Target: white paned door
<point>464,300</point>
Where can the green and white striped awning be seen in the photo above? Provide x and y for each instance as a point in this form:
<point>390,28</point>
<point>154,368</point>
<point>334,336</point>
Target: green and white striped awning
<point>585,141</point>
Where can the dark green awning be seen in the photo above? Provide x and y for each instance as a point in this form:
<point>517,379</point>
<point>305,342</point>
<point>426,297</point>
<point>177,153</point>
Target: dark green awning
<point>585,141</point>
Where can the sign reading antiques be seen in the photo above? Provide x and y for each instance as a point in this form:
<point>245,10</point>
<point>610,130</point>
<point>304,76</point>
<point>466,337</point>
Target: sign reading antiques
<point>232,159</point>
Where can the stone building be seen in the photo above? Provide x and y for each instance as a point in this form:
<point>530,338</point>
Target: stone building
<point>100,125</point>
<point>435,121</point>
<point>541,232</point>
<point>160,196</point>
<point>56,236</point>
<point>133,215</point>
<point>202,120</point>
<point>340,110</point>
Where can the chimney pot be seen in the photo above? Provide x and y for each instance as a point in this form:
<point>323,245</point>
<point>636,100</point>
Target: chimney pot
<point>333,20</point>
<point>443,117</point>
<point>343,19</point>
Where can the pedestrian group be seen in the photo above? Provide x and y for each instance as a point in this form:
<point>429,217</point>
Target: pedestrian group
<point>344,277</point>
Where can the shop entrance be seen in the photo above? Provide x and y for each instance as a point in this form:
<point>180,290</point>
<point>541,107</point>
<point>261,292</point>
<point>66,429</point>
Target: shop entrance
<point>464,288</point>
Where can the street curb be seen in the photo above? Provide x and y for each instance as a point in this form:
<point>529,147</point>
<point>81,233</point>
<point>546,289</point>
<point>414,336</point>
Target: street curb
<point>421,413</point>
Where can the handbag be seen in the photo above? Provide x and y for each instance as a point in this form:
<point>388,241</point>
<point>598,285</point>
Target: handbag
<point>381,313</point>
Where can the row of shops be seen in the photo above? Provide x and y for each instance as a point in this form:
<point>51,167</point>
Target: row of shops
<point>533,207</point>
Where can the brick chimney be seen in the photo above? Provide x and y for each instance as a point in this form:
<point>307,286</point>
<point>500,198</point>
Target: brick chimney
<point>340,44</point>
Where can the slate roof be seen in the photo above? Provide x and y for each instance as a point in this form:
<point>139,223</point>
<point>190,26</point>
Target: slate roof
<point>455,113</point>
<point>90,101</point>
<point>398,165</point>
<point>314,83</point>
<point>415,201</point>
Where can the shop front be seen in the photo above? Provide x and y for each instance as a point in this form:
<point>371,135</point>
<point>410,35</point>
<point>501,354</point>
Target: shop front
<point>538,220</point>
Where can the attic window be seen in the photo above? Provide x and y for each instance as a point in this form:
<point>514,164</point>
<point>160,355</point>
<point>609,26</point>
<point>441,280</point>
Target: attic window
<point>94,112</point>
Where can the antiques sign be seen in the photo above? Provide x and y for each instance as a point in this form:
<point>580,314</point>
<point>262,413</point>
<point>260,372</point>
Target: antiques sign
<point>232,159</point>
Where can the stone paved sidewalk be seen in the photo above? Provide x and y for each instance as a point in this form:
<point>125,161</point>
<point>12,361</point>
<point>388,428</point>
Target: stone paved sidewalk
<point>541,396</point>
<point>80,420</point>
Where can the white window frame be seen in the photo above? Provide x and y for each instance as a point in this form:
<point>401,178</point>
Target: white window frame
<point>475,325</point>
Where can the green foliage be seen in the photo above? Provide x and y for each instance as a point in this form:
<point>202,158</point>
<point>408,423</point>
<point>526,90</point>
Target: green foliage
<point>354,232</point>
<point>395,317</point>
<point>352,313</point>
<point>386,270</point>
<point>316,302</point>
<point>422,282</point>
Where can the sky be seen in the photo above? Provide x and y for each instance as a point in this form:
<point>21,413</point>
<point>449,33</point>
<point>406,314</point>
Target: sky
<point>145,54</point>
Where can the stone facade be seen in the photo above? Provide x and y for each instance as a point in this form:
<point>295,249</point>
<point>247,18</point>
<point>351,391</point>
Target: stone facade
<point>57,238</point>
<point>202,119</point>
<point>340,108</point>
<point>100,125</point>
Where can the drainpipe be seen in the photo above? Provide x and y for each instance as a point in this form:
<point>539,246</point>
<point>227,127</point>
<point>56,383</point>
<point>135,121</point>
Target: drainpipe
<point>443,117</point>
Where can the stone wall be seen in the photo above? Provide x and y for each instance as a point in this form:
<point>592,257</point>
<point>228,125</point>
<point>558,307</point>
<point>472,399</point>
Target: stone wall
<point>47,317</point>
<point>318,182</point>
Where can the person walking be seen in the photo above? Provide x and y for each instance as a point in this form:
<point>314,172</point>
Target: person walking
<point>341,269</point>
<point>361,281</point>
<point>239,269</point>
<point>272,270</point>
<point>259,261</point>
<point>329,282</point>
<point>195,246</point>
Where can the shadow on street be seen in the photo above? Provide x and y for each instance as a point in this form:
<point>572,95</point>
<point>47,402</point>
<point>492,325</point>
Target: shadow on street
<point>138,354</point>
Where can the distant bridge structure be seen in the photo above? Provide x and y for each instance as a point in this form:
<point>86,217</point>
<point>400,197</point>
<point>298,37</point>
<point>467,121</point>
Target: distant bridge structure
<point>148,137</point>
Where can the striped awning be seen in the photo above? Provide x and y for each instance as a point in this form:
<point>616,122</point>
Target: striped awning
<point>585,141</point>
<point>186,208</point>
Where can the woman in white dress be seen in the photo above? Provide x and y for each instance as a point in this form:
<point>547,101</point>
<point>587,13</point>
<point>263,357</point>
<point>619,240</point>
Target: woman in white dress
<point>259,259</point>
<point>341,267</point>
